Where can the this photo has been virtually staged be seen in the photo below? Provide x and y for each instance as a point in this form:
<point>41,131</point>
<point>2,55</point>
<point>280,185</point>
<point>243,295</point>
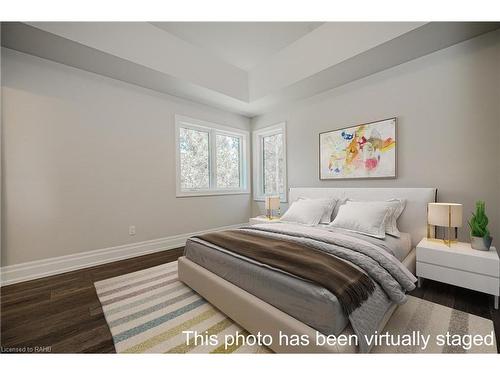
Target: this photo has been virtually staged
<point>191,190</point>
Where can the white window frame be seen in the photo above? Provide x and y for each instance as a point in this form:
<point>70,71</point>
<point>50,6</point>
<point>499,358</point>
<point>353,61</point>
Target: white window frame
<point>213,130</point>
<point>258,162</point>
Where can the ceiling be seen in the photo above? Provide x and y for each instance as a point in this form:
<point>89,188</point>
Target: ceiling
<point>245,68</point>
<point>242,44</point>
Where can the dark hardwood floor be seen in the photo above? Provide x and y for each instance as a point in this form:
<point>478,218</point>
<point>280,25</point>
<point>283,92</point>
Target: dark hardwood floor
<point>62,313</point>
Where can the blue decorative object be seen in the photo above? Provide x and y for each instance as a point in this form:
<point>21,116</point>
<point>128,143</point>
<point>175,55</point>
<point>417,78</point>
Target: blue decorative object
<point>347,136</point>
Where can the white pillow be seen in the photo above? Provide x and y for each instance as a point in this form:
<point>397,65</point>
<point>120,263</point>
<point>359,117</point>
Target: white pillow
<point>363,218</point>
<point>397,206</point>
<point>329,204</point>
<point>391,226</point>
<point>340,203</point>
<point>400,209</point>
<point>305,211</point>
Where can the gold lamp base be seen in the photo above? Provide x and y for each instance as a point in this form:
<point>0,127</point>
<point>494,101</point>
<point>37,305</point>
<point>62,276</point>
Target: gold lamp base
<point>442,240</point>
<point>447,241</point>
<point>269,214</point>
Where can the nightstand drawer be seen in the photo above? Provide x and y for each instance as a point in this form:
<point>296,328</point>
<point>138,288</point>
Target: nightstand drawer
<point>469,280</point>
<point>455,257</point>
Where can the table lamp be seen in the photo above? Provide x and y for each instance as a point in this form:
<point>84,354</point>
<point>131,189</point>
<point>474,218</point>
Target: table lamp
<point>272,204</point>
<point>444,215</point>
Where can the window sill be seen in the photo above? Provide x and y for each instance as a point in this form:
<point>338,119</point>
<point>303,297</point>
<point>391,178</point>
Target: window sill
<point>187,194</point>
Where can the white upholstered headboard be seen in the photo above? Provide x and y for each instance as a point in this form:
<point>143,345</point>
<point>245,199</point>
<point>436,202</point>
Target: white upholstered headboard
<point>413,220</point>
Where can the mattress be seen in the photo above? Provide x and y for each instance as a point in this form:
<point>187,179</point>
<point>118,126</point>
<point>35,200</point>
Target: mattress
<point>308,302</point>
<point>399,247</point>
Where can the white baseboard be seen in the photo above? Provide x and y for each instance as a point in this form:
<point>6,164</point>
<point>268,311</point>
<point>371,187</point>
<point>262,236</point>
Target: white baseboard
<point>53,266</point>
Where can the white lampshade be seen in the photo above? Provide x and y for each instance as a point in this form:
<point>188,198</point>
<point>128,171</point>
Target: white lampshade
<point>445,214</point>
<point>272,203</point>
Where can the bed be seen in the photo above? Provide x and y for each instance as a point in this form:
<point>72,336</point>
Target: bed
<point>266,300</point>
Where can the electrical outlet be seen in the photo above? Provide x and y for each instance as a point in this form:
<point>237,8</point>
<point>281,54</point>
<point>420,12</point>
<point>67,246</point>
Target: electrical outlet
<point>131,230</point>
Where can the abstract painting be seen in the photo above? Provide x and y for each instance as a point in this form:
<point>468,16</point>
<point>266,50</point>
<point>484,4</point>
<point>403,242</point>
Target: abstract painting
<point>362,151</point>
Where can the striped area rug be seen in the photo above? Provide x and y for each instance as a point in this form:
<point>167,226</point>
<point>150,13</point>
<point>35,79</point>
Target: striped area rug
<point>148,310</point>
<point>428,318</point>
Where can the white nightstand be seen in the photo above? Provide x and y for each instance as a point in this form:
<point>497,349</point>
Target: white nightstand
<point>459,265</point>
<point>262,220</point>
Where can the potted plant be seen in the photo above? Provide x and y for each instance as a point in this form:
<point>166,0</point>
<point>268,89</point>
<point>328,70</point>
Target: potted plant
<point>479,233</point>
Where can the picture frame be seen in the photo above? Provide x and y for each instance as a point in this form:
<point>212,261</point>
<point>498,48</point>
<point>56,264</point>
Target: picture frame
<point>363,151</point>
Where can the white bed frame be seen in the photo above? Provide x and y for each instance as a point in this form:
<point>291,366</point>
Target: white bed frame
<point>257,316</point>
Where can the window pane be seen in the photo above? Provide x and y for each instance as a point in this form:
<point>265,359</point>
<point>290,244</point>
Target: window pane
<point>228,161</point>
<point>194,155</point>
<point>272,149</point>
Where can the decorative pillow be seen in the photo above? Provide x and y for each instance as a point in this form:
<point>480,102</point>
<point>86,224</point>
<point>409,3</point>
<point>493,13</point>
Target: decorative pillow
<point>392,224</point>
<point>360,217</point>
<point>397,206</point>
<point>401,204</point>
<point>340,203</point>
<point>305,211</point>
<point>329,204</point>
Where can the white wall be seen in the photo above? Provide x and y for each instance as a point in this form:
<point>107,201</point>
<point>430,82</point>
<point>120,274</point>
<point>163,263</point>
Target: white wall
<point>1,157</point>
<point>87,156</point>
<point>448,109</point>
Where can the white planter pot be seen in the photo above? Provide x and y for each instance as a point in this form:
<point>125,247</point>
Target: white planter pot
<point>481,243</point>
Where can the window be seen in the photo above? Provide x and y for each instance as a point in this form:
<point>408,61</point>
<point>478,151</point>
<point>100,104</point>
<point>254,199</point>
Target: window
<point>211,159</point>
<point>194,150</point>
<point>228,161</point>
<point>269,150</point>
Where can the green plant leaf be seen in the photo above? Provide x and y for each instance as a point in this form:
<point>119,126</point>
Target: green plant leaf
<point>478,223</point>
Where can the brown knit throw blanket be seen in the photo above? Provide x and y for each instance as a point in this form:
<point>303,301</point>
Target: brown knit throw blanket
<point>348,283</point>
